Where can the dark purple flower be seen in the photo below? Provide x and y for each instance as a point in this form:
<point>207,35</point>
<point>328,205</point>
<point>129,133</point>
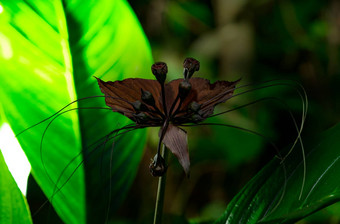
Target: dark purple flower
<point>151,103</point>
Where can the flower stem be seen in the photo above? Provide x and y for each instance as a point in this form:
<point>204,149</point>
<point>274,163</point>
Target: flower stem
<point>163,99</point>
<point>160,192</point>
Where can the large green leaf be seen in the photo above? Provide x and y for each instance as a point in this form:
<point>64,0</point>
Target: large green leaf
<point>13,205</point>
<point>49,53</point>
<point>271,198</point>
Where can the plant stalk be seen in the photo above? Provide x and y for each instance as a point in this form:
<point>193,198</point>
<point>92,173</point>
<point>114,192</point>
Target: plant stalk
<point>160,192</point>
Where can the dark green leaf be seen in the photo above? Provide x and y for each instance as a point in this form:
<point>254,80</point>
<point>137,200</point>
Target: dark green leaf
<point>271,198</point>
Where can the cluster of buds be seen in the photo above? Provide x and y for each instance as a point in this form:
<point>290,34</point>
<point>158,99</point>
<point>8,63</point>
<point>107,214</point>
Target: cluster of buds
<point>159,70</point>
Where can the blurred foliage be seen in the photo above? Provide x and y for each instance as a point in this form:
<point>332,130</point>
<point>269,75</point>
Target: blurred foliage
<point>258,41</point>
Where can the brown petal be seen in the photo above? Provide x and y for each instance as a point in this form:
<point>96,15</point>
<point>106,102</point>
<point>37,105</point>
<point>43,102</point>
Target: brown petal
<point>176,140</point>
<point>204,93</point>
<point>119,93</point>
<point>209,95</point>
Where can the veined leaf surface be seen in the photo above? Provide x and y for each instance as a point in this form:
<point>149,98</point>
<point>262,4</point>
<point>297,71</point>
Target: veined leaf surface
<point>49,53</point>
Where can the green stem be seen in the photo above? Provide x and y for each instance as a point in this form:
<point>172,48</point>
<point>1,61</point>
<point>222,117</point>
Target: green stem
<point>160,192</point>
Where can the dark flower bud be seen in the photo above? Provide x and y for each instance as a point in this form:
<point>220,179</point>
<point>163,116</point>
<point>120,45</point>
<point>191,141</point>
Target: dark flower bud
<point>194,106</point>
<point>184,89</point>
<point>157,166</point>
<point>139,106</point>
<point>147,98</point>
<point>196,118</point>
<point>141,117</point>
<point>160,69</point>
<point>190,65</point>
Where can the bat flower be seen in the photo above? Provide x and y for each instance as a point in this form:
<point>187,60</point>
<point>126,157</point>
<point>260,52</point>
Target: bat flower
<point>151,103</point>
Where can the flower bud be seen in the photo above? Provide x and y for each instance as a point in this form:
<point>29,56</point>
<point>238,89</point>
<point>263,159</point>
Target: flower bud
<point>139,106</point>
<point>196,118</point>
<point>141,117</point>
<point>147,98</point>
<point>194,106</point>
<point>184,89</point>
<point>190,65</point>
<point>157,166</point>
<point>160,69</point>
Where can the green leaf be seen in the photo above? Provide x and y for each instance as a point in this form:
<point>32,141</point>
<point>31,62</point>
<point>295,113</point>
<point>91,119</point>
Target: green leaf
<point>271,198</point>
<point>49,52</point>
<point>13,205</point>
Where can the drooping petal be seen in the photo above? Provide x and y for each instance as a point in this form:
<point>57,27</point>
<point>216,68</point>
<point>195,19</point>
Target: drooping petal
<point>120,94</point>
<point>176,140</point>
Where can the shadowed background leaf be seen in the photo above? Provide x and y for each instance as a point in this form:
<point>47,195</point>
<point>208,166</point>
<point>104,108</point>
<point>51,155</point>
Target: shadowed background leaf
<point>260,200</point>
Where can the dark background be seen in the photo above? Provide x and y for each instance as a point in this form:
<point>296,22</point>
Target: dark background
<point>256,41</point>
